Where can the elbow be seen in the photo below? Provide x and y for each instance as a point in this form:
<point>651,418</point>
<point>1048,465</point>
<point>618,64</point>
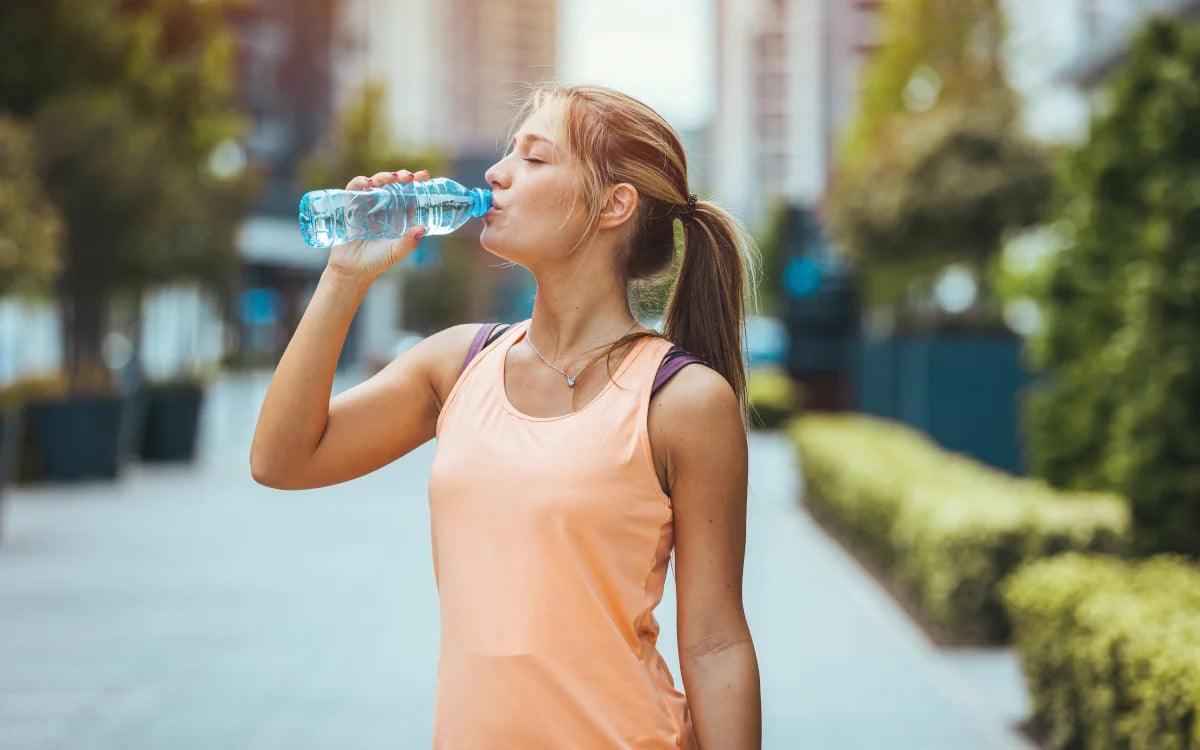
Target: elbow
<point>264,473</point>
<point>260,474</point>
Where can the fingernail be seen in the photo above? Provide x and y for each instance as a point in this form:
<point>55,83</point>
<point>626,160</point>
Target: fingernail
<point>420,234</point>
<point>396,174</point>
<point>370,181</point>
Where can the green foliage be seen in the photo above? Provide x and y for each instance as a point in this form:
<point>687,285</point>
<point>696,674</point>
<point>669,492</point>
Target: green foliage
<point>117,207</point>
<point>649,297</point>
<point>774,396</point>
<point>30,226</point>
<point>1122,301</point>
<point>1110,650</point>
<point>942,49</point>
<point>948,186</point>
<point>934,169</point>
<point>771,293</point>
<point>362,143</point>
<point>946,528</point>
<point>438,296</point>
<point>130,99</point>
<point>33,388</point>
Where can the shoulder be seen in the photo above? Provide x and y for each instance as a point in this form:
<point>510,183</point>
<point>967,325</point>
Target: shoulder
<point>696,389</point>
<point>442,356</point>
<point>695,396</point>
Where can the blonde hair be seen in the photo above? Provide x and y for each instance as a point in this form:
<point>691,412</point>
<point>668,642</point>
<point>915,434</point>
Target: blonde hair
<point>613,138</point>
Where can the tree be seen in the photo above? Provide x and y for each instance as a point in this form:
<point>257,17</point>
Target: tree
<point>130,98</point>
<point>770,240</point>
<point>934,169</point>
<point>30,226</point>
<point>362,143</point>
<point>1122,301</point>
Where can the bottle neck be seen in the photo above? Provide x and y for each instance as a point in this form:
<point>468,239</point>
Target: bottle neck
<point>481,201</point>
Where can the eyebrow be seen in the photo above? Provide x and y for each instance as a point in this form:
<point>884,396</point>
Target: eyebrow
<point>534,137</point>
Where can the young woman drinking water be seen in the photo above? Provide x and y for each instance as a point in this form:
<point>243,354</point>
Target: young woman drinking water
<point>575,449</point>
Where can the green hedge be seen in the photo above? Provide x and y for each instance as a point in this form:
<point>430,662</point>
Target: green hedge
<point>1116,408</point>
<point>1110,650</point>
<point>774,396</point>
<point>944,527</point>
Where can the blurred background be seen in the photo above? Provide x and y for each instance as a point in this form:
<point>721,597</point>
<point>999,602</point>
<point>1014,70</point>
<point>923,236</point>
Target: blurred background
<point>973,356</point>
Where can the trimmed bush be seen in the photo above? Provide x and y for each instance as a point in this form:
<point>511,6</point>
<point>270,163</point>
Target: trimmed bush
<point>1116,409</point>
<point>1110,650</point>
<point>944,527</point>
<point>774,396</point>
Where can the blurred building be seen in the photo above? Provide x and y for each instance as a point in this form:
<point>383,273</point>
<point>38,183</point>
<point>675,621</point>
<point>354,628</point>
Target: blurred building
<point>285,54</point>
<point>787,77</point>
<point>452,70</point>
<point>456,72</point>
<point>787,80</point>
<point>1106,27</point>
<point>1058,52</point>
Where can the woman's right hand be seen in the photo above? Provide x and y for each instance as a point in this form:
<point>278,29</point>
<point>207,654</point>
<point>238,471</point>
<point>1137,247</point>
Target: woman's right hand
<point>369,258</point>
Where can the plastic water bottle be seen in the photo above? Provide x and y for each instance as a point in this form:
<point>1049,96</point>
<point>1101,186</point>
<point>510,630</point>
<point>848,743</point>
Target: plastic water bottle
<point>441,205</point>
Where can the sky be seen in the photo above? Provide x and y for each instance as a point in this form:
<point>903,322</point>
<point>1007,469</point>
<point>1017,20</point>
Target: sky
<point>656,50</point>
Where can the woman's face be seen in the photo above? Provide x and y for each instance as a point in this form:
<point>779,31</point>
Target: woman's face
<point>534,189</point>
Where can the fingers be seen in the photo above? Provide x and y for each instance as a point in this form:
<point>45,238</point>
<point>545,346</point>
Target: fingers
<point>383,178</point>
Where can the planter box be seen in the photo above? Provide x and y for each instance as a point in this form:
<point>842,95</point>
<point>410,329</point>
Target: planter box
<point>171,422</point>
<point>77,439</point>
<point>10,436</point>
<point>963,391</point>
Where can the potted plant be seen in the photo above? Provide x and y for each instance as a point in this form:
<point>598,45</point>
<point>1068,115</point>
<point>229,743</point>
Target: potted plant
<point>171,420</point>
<point>30,242</point>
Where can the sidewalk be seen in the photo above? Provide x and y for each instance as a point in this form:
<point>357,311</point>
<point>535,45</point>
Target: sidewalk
<point>191,608</point>
<point>842,665</point>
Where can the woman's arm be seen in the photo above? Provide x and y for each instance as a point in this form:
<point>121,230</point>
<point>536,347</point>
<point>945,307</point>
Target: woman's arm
<point>305,438</point>
<point>696,421</point>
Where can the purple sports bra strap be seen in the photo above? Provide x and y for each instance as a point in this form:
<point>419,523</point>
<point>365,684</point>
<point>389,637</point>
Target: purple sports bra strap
<point>480,341</point>
<point>674,361</point>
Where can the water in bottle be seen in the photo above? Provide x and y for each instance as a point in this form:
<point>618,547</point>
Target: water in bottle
<point>441,205</point>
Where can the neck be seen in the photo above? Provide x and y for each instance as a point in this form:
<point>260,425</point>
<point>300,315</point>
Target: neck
<point>573,313</point>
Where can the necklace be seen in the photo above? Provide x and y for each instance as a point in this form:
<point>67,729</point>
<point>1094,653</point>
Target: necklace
<point>570,378</point>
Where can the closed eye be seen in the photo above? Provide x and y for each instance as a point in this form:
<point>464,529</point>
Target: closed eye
<point>535,161</point>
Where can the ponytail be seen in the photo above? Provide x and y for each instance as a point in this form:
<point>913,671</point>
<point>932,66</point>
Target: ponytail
<point>707,310</point>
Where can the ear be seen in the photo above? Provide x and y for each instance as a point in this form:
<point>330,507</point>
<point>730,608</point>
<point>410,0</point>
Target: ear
<point>619,206</point>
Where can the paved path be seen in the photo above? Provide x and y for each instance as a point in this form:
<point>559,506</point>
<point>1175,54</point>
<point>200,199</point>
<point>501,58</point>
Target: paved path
<point>191,609</point>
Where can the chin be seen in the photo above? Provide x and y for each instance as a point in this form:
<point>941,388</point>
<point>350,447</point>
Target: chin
<point>496,249</point>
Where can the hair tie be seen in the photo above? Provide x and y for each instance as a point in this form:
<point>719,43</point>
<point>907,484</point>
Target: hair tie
<point>686,211</point>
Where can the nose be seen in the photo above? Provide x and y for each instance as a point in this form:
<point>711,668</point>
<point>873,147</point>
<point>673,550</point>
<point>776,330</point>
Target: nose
<point>495,176</point>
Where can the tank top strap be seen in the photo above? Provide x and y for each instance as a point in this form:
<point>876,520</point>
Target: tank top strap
<point>479,357</point>
<point>645,369</point>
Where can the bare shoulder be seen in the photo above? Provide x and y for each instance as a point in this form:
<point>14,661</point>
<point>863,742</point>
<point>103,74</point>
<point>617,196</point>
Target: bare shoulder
<point>694,415</point>
<point>695,392</point>
<point>442,355</point>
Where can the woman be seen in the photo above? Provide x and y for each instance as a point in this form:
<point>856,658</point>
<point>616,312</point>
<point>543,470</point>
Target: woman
<point>558,489</point>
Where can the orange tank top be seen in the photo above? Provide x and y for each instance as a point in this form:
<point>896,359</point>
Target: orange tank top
<point>551,537</point>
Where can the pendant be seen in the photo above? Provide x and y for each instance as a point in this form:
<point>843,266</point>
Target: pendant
<point>570,382</point>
